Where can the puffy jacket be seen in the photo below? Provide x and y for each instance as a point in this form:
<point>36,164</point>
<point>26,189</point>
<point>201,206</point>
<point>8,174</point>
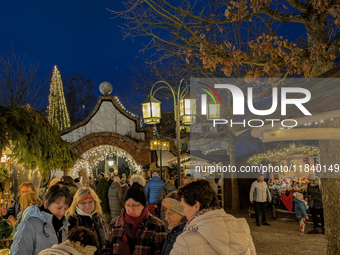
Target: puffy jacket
<point>153,189</point>
<point>300,209</point>
<point>125,187</point>
<point>259,192</point>
<point>115,195</point>
<point>36,232</point>
<point>167,188</point>
<point>215,233</point>
<point>69,248</point>
<point>171,238</point>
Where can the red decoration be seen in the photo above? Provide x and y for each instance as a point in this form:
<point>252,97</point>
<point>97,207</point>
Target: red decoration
<point>288,201</point>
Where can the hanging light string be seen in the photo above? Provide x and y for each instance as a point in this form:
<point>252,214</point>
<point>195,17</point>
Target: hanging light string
<point>99,154</point>
<point>284,152</point>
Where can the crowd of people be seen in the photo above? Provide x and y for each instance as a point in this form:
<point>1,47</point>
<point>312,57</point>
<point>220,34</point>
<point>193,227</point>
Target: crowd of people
<point>311,199</point>
<point>148,217</point>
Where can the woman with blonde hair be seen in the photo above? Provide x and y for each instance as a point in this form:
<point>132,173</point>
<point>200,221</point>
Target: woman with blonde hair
<point>25,201</point>
<point>86,211</point>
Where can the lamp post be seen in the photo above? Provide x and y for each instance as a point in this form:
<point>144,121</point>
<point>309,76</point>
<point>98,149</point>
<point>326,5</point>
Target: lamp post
<point>184,109</point>
<point>162,145</point>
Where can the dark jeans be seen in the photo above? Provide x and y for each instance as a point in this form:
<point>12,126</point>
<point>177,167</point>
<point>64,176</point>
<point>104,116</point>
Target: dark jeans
<point>315,213</point>
<point>260,207</point>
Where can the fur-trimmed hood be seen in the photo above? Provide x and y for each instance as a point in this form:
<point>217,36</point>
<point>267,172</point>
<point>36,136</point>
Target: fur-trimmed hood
<point>137,178</point>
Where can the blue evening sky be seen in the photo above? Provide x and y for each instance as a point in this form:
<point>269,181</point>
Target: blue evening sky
<point>77,36</point>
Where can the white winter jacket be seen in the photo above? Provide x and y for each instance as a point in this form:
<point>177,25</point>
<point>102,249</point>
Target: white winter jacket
<point>215,233</point>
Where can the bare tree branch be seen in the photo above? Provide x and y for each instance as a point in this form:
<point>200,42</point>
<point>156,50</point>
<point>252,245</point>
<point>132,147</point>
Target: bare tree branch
<point>19,82</point>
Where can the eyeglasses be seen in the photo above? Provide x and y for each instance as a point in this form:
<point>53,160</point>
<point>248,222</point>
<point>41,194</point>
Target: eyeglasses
<point>85,203</point>
<point>134,207</point>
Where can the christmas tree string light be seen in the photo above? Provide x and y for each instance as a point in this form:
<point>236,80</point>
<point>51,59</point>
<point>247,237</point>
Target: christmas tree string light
<point>57,111</point>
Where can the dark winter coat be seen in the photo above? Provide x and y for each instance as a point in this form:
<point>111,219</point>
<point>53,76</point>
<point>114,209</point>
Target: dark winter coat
<point>300,209</point>
<point>171,238</point>
<point>115,196</point>
<point>314,195</point>
<point>153,189</point>
<point>102,190</point>
<point>14,209</point>
<point>36,232</point>
<point>125,187</point>
<point>167,188</point>
<point>96,224</point>
<point>149,243</point>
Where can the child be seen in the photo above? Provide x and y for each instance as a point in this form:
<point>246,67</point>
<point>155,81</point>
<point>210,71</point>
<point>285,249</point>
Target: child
<point>301,211</point>
<point>79,241</point>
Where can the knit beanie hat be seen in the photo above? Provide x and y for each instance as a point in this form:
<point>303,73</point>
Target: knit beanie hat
<point>174,205</point>
<point>311,177</point>
<point>137,193</point>
<point>170,202</point>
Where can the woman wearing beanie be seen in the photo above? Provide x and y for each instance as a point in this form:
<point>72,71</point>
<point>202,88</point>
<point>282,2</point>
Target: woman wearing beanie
<point>209,229</point>
<point>86,211</point>
<point>79,241</point>
<point>136,231</point>
<point>174,216</point>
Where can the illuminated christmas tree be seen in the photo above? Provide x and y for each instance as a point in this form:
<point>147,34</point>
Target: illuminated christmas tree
<point>57,111</point>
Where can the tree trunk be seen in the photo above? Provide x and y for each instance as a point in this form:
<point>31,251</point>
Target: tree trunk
<point>235,199</point>
<point>330,156</point>
<point>317,34</point>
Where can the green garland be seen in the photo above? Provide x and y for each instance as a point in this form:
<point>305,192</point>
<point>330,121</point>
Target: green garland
<point>34,142</point>
<point>4,175</point>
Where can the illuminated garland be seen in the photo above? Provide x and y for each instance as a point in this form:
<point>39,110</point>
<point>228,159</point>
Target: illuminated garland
<point>134,115</point>
<point>100,153</point>
<point>192,161</point>
<point>212,150</point>
<point>269,155</point>
<point>57,111</point>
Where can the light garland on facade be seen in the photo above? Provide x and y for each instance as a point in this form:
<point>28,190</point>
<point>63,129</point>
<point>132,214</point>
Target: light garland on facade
<point>57,113</point>
<point>212,150</point>
<point>99,154</point>
<point>122,106</point>
<point>269,155</point>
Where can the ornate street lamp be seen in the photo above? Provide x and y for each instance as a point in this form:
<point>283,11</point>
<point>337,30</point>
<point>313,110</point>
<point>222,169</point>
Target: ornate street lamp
<point>165,145</point>
<point>188,110</point>
<point>155,144</point>
<point>213,111</point>
<point>151,108</point>
<point>152,113</point>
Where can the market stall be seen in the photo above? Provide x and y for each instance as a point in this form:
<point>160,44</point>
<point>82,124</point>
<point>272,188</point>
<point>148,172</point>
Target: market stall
<point>286,171</point>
